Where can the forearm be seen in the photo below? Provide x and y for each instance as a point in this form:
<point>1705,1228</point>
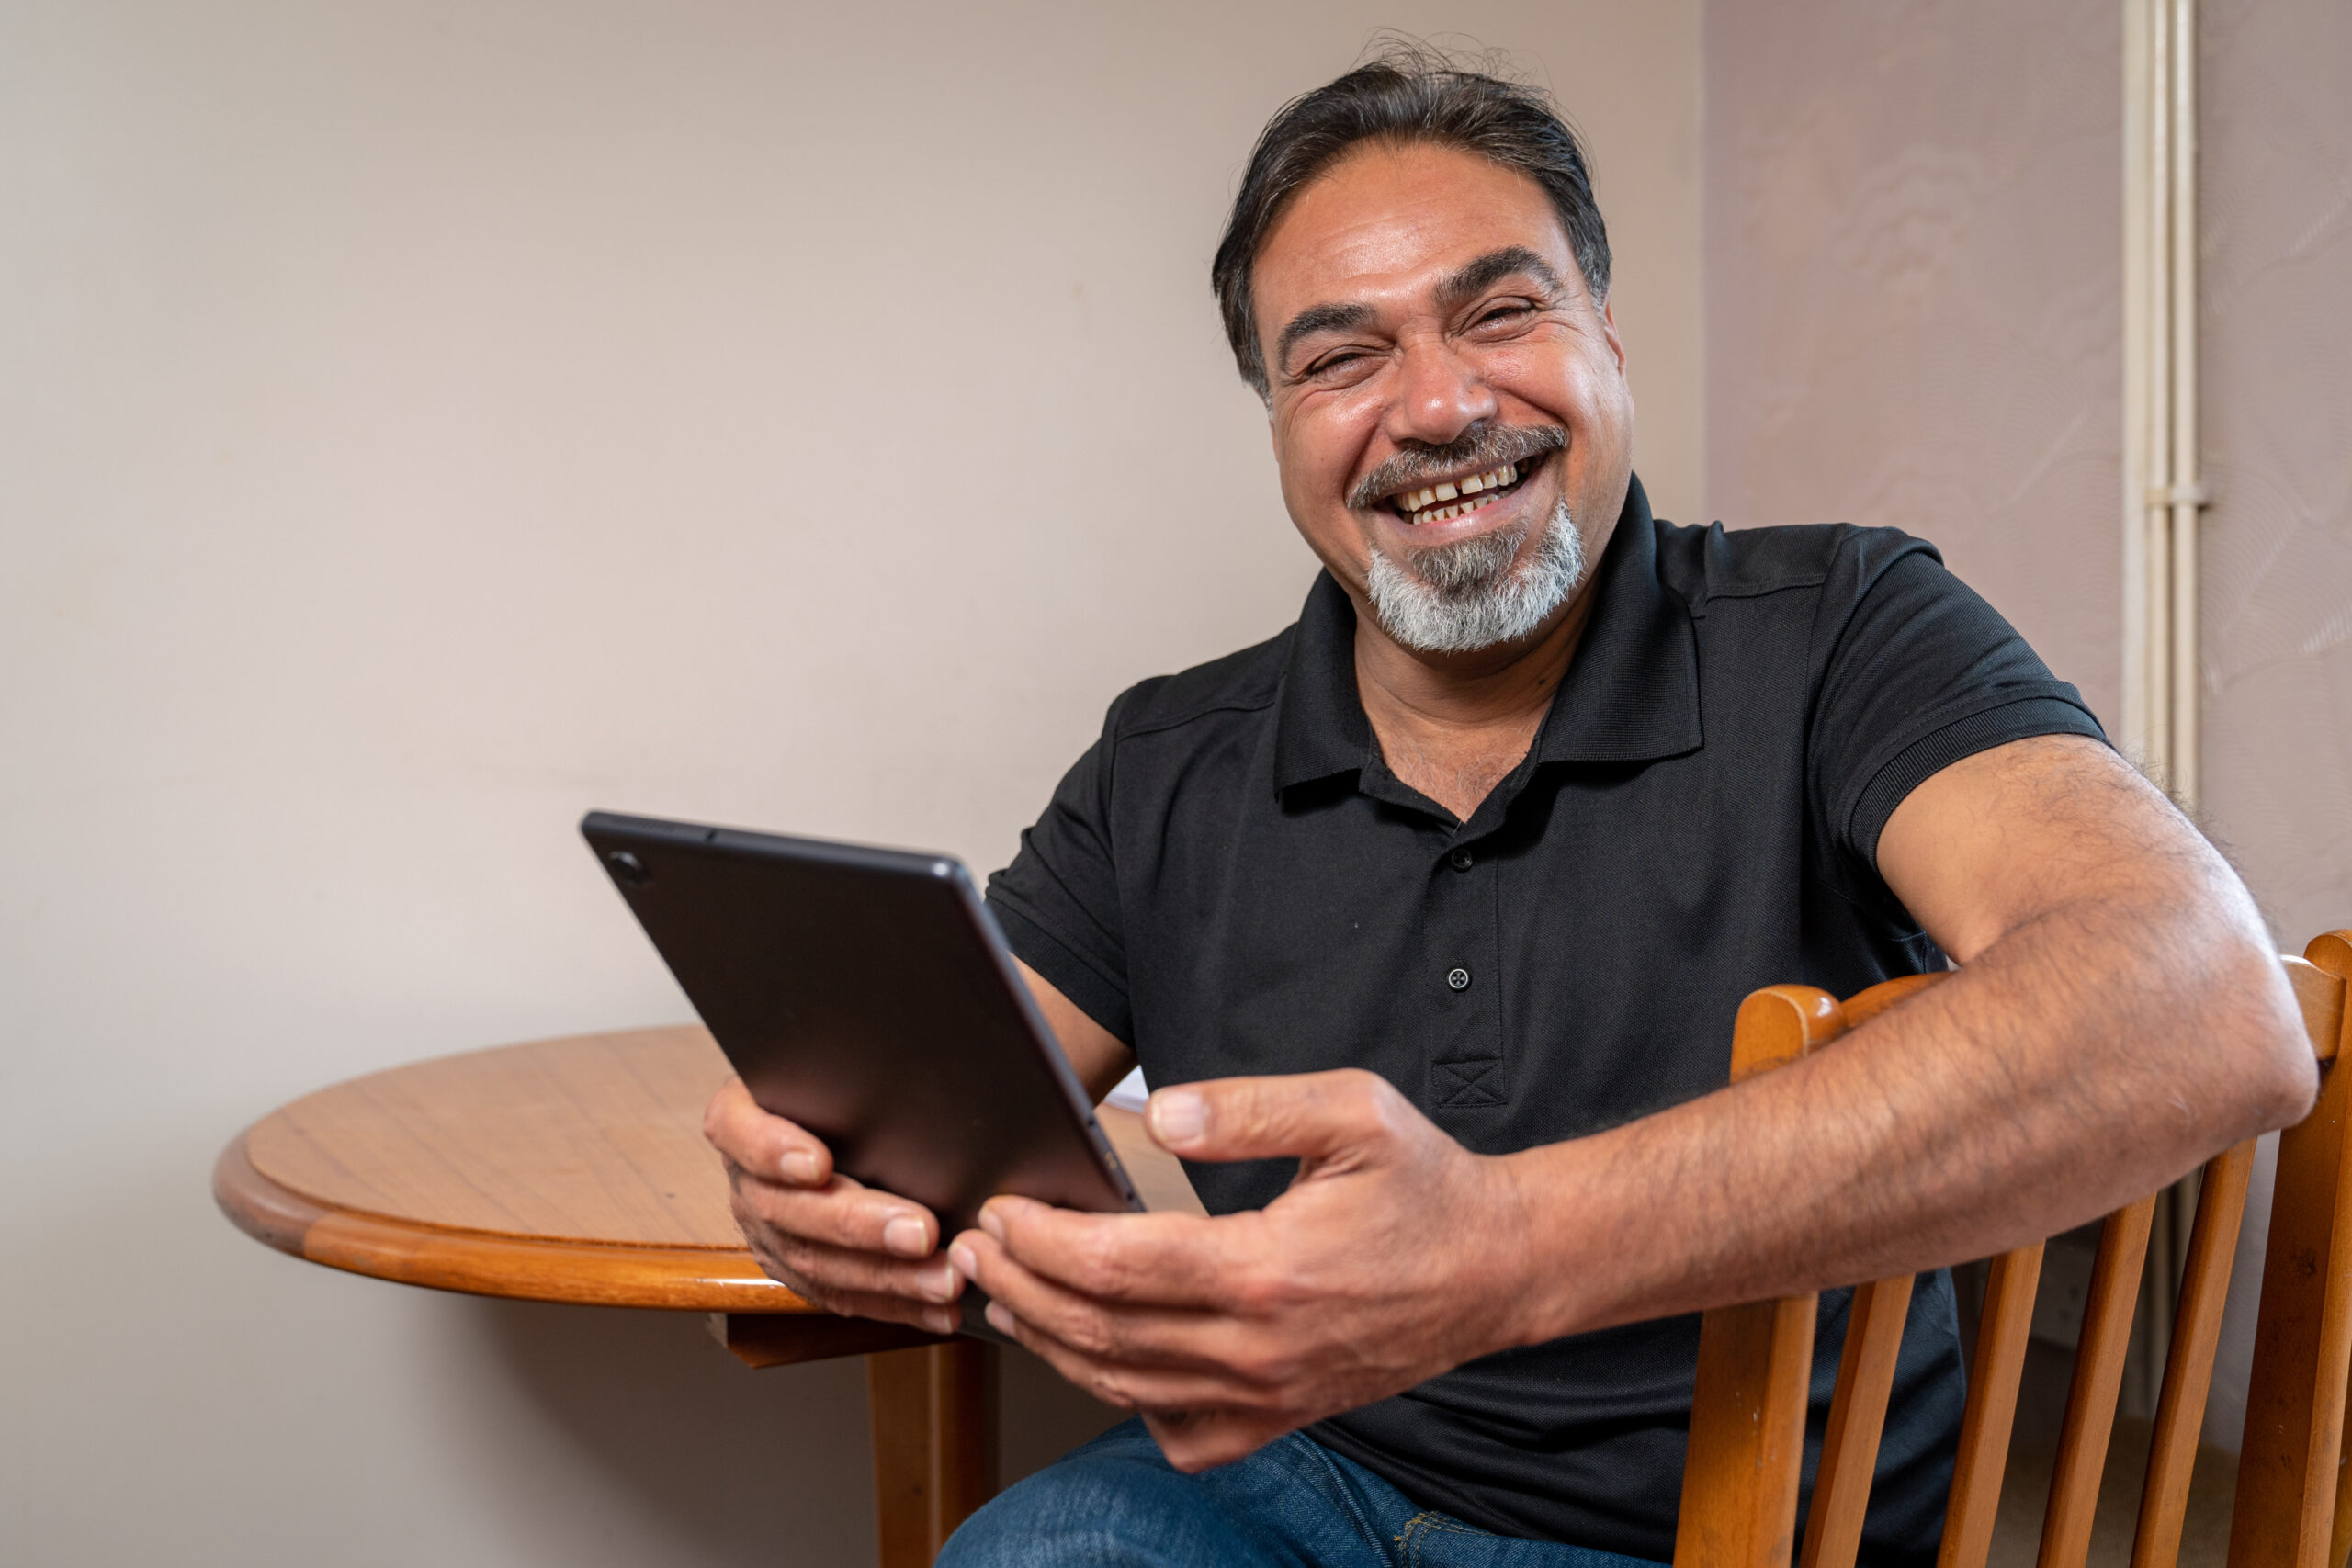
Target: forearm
<point>1099,1057</point>
<point>2079,1062</point>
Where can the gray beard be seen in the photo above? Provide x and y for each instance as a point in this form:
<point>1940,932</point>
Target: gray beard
<point>1464,597</point>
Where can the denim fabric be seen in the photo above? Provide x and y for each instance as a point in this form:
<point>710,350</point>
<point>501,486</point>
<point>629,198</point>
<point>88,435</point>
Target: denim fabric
<point>1117,1503</point>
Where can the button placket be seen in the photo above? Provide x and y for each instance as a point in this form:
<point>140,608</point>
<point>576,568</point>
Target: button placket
<point>1465,1058</point>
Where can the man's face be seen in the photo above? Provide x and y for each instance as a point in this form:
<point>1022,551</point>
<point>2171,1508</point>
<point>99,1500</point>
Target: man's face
<point>1420,299</point>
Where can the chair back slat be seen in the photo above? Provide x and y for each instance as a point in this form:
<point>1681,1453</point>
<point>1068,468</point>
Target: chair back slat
<point>2321,996</point>
<point>1992,1408</point>
<point>2099,1354</point>
<point>1864,1006</point>
<point>1841,1484</point>
<point>2292,1444</point>
<point>2293,1506</point>
<point>2189,1364</point>
<point>1747,1452</point>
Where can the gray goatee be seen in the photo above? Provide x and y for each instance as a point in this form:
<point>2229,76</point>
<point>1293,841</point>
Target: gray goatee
<point>1463,597</point>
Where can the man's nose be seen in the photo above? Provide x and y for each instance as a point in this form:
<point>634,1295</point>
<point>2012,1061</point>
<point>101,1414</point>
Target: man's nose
<point>1440,394</point>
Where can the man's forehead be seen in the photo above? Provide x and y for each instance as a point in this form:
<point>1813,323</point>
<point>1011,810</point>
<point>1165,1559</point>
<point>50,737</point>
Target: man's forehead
<point>1387,227</point>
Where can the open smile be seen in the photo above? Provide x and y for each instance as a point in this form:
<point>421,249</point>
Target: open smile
<point>1444,500</point>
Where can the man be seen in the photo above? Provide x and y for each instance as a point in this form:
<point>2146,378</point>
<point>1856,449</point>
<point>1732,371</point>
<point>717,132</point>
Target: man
<point>1449,893</point>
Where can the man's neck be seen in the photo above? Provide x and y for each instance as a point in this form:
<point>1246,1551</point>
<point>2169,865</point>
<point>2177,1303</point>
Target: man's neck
<point>1453,726</point>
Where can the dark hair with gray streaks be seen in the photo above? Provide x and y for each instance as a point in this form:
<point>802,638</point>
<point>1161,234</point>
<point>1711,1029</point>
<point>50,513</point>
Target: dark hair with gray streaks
<point>1409,92</point>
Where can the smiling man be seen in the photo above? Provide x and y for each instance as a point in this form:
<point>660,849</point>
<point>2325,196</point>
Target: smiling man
<point>1429,919</point>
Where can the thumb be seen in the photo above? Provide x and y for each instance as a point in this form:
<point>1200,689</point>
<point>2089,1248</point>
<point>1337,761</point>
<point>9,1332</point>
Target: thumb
<point>1321,1117</point>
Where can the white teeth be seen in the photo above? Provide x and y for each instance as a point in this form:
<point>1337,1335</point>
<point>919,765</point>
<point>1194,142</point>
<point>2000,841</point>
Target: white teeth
<point>1446,493</point>
<point>1475,483</point>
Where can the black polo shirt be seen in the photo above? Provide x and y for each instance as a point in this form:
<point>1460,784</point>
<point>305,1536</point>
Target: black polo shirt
<point>1234,882</point>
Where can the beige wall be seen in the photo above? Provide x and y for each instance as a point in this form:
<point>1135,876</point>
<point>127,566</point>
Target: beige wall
<point>421,421</point>
<point>1913,275</point>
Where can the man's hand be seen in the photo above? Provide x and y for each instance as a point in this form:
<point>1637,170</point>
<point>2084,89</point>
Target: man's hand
<point>1384,1264</point>
<point>841,1245</point>
<point>844,1246</point>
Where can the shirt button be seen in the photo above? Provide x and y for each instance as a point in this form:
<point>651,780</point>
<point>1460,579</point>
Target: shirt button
<point>1458,978</point>
<point>1461,860</point>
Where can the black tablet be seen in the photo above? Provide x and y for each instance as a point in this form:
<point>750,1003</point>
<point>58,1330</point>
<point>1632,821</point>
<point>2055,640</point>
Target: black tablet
<point>868,994</point>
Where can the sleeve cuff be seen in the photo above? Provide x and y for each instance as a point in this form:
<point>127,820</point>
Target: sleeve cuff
<point>1921,759</point>
<point>1098,997</point>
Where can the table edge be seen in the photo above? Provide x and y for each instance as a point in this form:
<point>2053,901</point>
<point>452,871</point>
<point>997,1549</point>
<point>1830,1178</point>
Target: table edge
<point>483,1263</point>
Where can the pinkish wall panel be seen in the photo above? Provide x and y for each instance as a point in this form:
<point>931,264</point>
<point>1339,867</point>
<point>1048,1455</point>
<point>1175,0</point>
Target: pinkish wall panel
<point>1913,246</point>
<point>2277,384</point>
<point>2277,210</point>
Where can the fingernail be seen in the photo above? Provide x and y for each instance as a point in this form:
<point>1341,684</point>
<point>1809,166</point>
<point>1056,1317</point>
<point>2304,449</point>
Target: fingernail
<point>904,1236</point>
<point>937,1282</point>
<point>999,1318</point>
<point>992,1223</point>
<point>966,1265</point>
<point>1178,1115</point>
<point>799,1165</point>
<point>939,1320</point>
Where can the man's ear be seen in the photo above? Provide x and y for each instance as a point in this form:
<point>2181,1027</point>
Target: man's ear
<point>1609,331</point>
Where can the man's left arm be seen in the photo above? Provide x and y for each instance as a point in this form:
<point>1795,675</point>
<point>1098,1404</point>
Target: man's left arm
<point>2118,1017</point>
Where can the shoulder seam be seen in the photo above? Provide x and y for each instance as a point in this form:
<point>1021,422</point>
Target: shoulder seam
<point>1759,593</point>
<point>1221,705</point>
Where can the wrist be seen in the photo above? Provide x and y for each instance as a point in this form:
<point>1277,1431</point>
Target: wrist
<point>1540,1270</point>
<point>1518,1271</point>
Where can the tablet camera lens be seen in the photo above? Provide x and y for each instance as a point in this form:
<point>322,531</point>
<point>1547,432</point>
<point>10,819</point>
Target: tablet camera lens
<point>628,868</point>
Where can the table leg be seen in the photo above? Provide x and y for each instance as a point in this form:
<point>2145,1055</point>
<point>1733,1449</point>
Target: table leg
<point>934,1440</point>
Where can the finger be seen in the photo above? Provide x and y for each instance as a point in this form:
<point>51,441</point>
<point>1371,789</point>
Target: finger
<point>1127,1335</point>
<point>1170,1260</point>
<point>929,1317</point>
<point>806,1266</point>
<point>1125,1385</point>
<point>842,1213</point>
<point>762,1142</point>
<point>1197,1441</point>
<point>1316,1116</point>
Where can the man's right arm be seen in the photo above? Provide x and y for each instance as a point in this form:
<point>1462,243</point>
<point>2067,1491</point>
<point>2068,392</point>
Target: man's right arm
<point>851,1248</point>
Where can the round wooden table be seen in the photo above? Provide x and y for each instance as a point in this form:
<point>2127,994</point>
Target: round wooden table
<point>575,1171</point>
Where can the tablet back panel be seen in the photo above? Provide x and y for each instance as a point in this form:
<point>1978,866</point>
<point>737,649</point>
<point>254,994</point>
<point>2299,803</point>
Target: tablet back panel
<point>868,994</point>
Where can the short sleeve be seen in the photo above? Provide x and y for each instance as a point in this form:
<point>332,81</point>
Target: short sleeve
<point>1059,901</point>
<point>1919,673</point>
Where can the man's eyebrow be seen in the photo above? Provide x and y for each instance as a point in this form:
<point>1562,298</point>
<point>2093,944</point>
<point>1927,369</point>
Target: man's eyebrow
<point>1318,319</point>
<point>1492,268</point>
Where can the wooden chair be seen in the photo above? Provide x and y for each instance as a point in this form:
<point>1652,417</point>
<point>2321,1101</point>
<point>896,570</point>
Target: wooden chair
<point>2293,1506</point>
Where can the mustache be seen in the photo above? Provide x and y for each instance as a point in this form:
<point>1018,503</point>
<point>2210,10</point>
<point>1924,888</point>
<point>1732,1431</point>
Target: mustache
<point>1476,449</point>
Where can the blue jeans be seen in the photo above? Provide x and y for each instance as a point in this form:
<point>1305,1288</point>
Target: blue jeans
<point>1117,1503</point>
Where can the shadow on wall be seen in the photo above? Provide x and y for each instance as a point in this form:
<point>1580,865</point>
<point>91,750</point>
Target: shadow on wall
<point>736,1466</point>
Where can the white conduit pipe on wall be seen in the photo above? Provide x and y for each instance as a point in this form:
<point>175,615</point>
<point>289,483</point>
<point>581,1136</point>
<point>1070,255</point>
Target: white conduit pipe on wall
<point>2163,492</point>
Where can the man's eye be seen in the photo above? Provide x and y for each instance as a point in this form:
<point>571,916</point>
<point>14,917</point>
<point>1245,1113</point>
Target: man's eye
<point>1330,364</point>
<point>1503,315</point>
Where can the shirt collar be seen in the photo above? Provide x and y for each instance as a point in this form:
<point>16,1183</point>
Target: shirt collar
<point>1630,692</point>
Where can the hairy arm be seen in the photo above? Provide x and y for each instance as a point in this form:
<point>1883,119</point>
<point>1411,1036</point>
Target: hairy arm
<point>2118,1017</point>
